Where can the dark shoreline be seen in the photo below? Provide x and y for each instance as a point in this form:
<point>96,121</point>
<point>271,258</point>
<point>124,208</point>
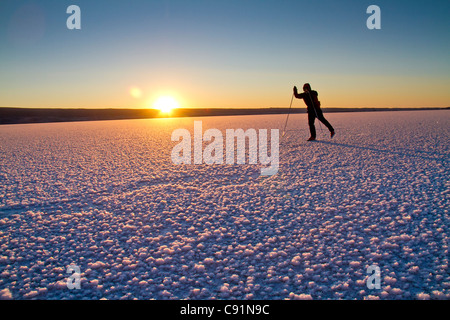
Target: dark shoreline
<point>46,115</point>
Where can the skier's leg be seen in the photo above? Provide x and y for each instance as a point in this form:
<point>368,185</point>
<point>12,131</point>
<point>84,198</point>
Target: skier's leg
<point>324,121</point>
<point>312,128</point>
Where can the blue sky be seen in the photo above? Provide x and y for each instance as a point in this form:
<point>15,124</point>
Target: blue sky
<point>224,53</point>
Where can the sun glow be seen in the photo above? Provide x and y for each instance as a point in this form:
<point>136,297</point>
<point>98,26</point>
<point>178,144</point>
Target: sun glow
<point>166,104</point>
<point>135,92</point>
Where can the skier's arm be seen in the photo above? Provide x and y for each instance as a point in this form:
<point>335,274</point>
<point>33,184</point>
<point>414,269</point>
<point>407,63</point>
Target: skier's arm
<point>296,94</point>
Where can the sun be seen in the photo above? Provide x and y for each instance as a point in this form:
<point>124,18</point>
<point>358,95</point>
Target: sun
<point>166,104</point>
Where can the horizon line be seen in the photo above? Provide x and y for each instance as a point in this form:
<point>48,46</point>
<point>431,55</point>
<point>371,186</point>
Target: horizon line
<point>218,108</point>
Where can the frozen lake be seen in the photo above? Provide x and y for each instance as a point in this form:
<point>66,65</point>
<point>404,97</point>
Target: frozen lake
<point>106,197</point>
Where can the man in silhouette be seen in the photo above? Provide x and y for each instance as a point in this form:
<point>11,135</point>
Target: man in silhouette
<point>310,97</point>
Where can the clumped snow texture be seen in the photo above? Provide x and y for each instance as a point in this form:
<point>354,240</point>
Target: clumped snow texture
<point>105,196</point>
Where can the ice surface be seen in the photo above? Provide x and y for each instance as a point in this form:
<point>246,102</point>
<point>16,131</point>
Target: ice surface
<point>105,196</point>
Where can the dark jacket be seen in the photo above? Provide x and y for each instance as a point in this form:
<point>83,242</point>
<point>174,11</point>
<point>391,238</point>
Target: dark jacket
<point>311,99</point>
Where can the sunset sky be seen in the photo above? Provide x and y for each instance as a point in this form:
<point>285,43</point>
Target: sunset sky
<point>223,53</point>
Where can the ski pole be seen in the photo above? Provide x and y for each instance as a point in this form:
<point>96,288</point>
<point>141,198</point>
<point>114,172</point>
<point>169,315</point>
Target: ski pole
<point>287,118</point>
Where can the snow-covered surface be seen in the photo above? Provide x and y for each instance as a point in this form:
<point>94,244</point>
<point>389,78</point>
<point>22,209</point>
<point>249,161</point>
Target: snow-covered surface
<point>106,197</point>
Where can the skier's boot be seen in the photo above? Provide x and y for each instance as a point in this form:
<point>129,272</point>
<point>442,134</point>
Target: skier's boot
<point>311,139</point>
<point>332,133</point>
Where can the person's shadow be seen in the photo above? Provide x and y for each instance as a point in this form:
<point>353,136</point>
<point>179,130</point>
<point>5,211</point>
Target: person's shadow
<point>428,155</point>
